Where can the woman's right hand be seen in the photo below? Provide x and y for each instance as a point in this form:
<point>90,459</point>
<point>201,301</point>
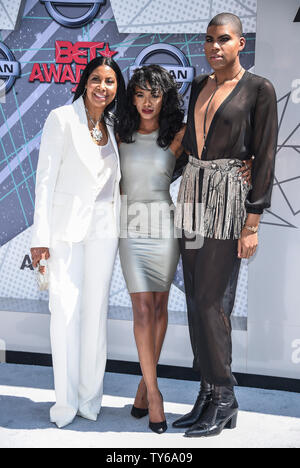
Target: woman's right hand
<point>37,254</point>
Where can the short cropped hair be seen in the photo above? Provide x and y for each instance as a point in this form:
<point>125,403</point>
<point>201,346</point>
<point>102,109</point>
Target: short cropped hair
<point>228,18</point>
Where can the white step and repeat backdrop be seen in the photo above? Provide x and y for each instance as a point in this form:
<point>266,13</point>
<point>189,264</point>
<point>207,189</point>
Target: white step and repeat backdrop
<point>34,79</point>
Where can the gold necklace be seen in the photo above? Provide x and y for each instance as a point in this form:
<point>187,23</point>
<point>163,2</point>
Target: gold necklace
<point>227,79</point>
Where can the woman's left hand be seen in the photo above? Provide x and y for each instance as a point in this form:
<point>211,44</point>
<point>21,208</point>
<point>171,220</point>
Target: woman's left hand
<point>247,244</point>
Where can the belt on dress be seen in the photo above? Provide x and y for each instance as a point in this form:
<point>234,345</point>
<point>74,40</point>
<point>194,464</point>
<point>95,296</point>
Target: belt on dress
<point>221,213</point>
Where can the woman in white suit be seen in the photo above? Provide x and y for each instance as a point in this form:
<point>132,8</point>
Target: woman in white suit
<point>76,228</point>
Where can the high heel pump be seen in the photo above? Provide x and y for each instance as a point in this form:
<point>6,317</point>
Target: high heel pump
<point>139,413</point>
<point>159,427</point>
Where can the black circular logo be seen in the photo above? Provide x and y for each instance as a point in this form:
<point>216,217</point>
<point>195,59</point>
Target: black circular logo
<point>93,9</point>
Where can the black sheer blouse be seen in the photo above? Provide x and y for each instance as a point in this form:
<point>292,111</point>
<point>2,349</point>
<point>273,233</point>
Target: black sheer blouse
<point>245,124</point>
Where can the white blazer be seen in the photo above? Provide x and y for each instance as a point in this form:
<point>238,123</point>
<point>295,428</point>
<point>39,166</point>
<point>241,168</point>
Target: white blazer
<point>68,175</point>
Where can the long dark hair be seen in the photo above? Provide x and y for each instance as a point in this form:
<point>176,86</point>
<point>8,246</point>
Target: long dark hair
<point>171,115</point>
<point>113,110</point>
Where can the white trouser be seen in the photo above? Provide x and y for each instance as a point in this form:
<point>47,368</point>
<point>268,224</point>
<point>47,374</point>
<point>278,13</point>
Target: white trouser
<point>79,283</point>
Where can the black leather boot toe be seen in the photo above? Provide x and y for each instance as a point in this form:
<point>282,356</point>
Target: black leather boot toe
<point>202,401</point>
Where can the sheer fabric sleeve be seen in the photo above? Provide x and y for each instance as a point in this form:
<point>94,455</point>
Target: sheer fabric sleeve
<point>264,145</point>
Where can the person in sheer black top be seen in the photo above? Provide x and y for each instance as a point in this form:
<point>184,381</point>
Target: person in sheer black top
<point>232,117</point>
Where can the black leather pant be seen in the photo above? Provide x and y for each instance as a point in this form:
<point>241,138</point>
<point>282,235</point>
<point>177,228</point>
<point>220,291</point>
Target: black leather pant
<point>210,276</point>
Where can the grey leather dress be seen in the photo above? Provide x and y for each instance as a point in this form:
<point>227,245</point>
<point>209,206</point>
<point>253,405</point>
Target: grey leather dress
<point>149,250</point>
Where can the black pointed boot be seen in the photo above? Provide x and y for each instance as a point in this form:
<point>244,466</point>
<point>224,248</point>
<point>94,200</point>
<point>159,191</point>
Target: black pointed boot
<point>202,401</point>
<point>220,413</point>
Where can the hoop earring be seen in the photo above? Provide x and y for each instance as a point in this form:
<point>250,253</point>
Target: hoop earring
<point>84,93</point>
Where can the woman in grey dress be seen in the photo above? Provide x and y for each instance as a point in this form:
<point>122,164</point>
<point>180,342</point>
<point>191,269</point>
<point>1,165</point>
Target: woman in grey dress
<point>150,141</point>
<point>151,157</point>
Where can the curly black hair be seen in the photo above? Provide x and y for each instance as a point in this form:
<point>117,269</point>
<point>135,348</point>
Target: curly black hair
<point>115,108</point>
<point>171,115</point>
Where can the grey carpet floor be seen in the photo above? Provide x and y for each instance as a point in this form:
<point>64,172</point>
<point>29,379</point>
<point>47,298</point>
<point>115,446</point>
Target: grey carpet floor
<point>267,419</point>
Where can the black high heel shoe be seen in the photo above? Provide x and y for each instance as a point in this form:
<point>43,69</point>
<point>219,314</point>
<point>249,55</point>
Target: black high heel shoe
<point>159,427</point>
<point>221,413</point>
<point>139,413</point>
<point>201,404</point>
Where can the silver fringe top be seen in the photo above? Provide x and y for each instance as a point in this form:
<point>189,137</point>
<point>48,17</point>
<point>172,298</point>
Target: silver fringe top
<point>221,212</point>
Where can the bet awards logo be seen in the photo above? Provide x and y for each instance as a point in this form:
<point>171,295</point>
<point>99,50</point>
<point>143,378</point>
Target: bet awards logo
<point>85,18</point>
<point>169,57</point>
<point>10,69</point>
<point>70,61</point>
<point>297,17</point>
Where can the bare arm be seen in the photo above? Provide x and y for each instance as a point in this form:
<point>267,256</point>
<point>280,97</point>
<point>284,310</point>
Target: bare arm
<point>176,145</point>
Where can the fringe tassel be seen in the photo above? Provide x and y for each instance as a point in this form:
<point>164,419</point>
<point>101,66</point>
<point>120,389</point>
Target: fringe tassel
<point>222,213</point>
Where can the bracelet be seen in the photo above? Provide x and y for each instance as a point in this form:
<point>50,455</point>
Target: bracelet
<point>253,229</point>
